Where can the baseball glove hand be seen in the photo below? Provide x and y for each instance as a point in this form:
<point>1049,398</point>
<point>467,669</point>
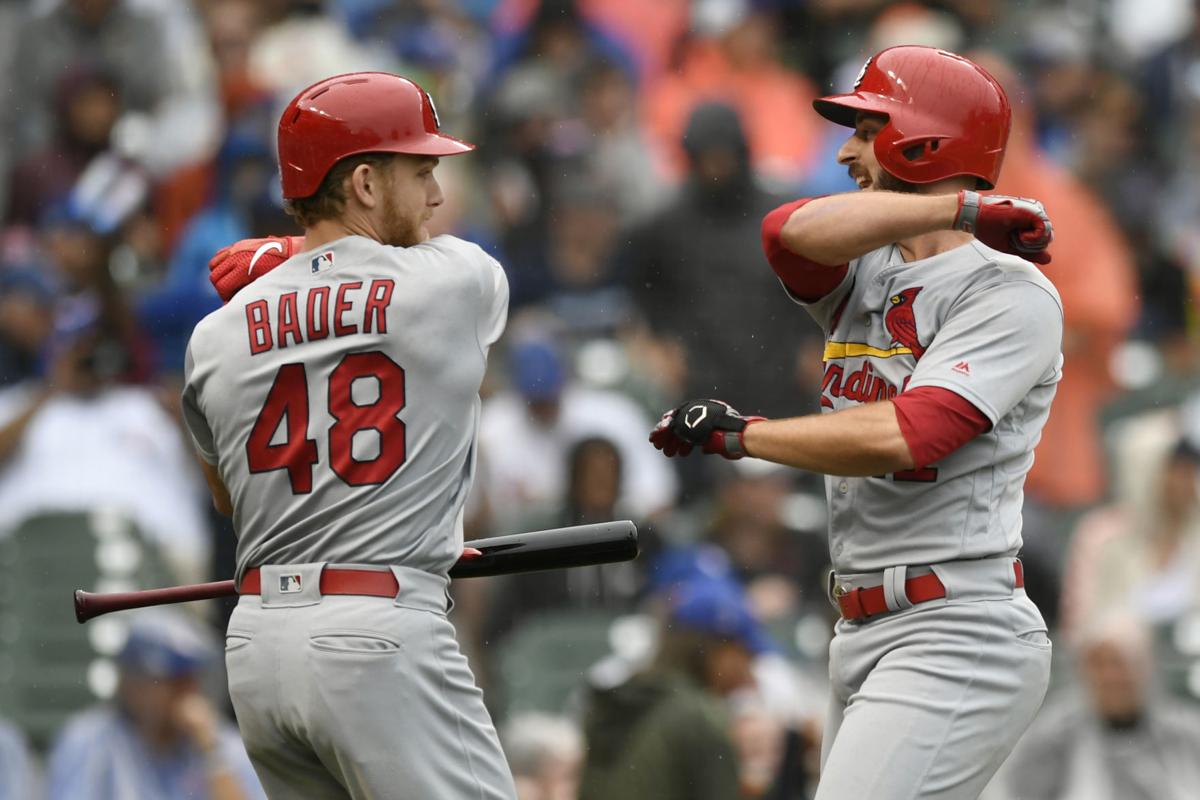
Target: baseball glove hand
<point>711,425</point>
<point>235,266</point>
<point>1016,225</point>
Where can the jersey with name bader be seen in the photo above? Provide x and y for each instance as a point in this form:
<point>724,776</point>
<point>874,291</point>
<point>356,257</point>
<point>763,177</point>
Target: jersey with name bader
<point>338,396</point>
<point>978,322</point>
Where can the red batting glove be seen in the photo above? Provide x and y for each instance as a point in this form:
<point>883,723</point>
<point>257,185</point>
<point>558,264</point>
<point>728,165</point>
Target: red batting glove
<point>235,266</point>
<point>1015,225</point>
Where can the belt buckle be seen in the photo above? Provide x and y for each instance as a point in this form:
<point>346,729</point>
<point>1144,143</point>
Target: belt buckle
<point>846,599</point>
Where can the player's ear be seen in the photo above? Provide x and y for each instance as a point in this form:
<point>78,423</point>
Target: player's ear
<point>366,185</point>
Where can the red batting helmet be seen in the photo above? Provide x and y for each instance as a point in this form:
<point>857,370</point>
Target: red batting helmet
<point>946,115</point>
<point>363,112</point>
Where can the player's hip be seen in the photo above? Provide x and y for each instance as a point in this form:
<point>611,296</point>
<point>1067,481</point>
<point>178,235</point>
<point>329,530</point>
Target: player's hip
<point>1000,645</point>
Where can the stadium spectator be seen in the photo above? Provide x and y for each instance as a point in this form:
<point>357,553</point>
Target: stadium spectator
<point>1117,739</point>
<point>232,26</point>
<point>275,60</point>
<point>709,237</point>
<point>526,432</point>
<point>104,443</point>
<point>545,753</point>
<point>240,207</point>
<point>583,292</point>
<point>1143,552</point>
<point>160,738</point>
<point>615,155</point>
<point>782,569</point>
<point>26,322</point>
<point>87,104</point>
<point>733,57</point>
<point>155,53</point>
<point>109,34</point>
<point>651,30</point>
<point>592,491</point>
<point>665,732</point>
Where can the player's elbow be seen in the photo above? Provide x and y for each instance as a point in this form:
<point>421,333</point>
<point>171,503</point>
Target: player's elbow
<point>223,505</point>
<point>806,234</point>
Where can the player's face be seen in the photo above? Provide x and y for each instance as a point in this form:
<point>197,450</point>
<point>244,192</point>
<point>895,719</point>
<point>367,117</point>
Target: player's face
<point>412,193</point>
<point>858,154</point>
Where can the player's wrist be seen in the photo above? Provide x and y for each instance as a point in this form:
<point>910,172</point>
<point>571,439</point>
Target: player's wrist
<point>746,438</point>
<point>966,215</point>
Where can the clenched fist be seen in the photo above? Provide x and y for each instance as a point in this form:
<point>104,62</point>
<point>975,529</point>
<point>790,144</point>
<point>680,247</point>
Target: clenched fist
<point>711,425</point>
<point>1015,225</point>
<point>237,265</point>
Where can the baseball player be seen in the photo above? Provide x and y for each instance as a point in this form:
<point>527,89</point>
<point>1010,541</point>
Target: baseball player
<point>334,401</point>
<point>943,348</point>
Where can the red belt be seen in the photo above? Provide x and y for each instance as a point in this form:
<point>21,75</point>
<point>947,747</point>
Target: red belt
<point>860,603</point>
<point>369,582</point>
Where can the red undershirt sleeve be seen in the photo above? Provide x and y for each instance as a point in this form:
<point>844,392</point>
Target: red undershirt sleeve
<point>935,422</point>
<point>807,280</point>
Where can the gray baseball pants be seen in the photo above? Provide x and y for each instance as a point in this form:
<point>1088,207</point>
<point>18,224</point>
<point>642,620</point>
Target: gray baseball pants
<point>927,702</point>
<point>361,698</point>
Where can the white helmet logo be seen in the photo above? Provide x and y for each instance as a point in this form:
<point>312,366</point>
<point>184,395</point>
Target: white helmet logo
<point>695,415</point>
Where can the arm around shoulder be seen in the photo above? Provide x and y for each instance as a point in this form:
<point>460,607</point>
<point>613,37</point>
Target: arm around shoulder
<point>838,228</point>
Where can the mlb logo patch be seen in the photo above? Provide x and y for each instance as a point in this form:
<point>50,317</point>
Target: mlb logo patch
<point>322,261</point>
<point>289,584</point>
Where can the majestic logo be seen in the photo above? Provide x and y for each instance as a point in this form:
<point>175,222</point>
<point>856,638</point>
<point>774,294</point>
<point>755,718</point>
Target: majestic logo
<point>323,261</point>
<point>289,584</point>
<point>962,368</point>
<point>262,250</point>
<point>901,322</point>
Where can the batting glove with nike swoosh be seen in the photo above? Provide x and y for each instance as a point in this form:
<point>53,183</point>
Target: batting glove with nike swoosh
<point>1015,225</point>
<point>237,265</point>
<point>712,425</point>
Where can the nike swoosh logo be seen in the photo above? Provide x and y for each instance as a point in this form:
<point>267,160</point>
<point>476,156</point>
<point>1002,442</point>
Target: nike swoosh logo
<point>261,251</point>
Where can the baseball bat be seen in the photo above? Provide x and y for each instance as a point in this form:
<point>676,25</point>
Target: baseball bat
<point>557,548</point>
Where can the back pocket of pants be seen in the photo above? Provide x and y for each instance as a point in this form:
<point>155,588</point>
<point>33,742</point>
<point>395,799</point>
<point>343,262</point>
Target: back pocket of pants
<point>354,642</point>
<point>1034,637</point>
<point>236,640</point>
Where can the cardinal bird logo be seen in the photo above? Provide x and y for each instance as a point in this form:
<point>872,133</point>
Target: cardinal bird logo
<point>900,321</point>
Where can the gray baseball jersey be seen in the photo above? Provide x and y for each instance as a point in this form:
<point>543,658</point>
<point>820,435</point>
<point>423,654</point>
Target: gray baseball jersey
<point>338,396</point>
<point>981,323</point>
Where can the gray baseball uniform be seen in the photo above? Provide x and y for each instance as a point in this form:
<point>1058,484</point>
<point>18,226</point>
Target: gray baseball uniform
<point>338,396</point>
<point>928,700</point>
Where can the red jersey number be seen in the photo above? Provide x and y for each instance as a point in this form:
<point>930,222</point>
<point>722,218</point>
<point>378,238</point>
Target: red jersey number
<point>297,453</point>
<point>378,416</point>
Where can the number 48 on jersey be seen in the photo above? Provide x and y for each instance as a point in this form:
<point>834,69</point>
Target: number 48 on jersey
<point>288,398</point>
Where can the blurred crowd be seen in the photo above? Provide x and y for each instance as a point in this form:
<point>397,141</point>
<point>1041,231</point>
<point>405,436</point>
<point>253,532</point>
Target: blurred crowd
<point>628,151</point>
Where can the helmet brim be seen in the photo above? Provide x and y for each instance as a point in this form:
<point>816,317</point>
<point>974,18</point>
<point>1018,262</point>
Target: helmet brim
<point>844,108</point>
<point>434,144</point>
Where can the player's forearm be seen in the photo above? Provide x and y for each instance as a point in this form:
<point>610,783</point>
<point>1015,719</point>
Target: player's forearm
<point>836,229</point>
<point>860,441</point>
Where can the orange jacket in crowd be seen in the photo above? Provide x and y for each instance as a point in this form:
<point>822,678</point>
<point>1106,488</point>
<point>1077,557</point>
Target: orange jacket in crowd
<point>1095,273</point>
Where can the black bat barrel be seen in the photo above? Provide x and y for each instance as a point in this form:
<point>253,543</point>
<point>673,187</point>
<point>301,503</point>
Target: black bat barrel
<point>577,546</point>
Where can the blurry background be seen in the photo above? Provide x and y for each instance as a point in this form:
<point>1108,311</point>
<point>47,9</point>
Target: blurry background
<point>628,151</point>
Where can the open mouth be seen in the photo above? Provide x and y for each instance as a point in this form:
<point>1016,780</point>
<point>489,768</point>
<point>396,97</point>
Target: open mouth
<point>863,181</point>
